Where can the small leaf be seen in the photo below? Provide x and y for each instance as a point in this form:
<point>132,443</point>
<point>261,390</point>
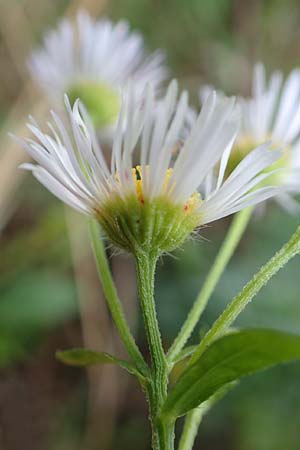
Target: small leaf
<point>226,360</point>
<point>81,357</point>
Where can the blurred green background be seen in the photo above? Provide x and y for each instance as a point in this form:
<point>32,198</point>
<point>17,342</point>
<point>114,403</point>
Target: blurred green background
<point>50,297</point>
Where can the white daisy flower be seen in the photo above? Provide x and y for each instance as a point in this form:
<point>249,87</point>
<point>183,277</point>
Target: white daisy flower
<point>272,113</point>
<point>149,193</point>
<point>93,60</point>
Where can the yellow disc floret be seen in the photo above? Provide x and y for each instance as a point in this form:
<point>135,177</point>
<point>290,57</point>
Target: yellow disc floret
<point>137,174</point>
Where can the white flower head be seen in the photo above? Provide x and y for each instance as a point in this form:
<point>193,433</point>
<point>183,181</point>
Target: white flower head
<point>272,113</point>
<point>149,193</point>
<point>93,60</point>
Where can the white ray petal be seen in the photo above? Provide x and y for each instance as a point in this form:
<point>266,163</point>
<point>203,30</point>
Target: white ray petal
<point>59,190</point>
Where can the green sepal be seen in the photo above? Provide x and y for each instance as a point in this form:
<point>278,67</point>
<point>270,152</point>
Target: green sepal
<point>243,147</point>
<point>226,360</point>
<point>81,357</point>
<point>155,226</point>
<point>102,102</point>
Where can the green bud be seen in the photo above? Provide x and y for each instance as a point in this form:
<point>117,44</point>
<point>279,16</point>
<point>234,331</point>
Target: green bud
<point>102,102</point>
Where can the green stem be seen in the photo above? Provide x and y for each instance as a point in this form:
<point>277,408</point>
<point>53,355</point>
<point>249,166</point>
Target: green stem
<point>112,298</point>
<point>232,239</point>
<point>163,436</point>
<point>194,418</point>
<point>221,325</point>
<point>228,247</point>
<point>190,429</point>
<point>162,433</point>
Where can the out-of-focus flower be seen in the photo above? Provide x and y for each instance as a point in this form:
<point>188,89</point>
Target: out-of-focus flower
<point>93,60</point>
<point>154,202</point>
<point>272,113</point>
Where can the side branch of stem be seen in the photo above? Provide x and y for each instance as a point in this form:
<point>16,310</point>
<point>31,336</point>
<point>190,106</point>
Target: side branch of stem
<point>112,298</point>
<point>226,251</point>
<point>229,315</point>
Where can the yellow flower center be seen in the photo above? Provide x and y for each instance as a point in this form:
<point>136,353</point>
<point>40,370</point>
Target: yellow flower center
<point>139,179</point>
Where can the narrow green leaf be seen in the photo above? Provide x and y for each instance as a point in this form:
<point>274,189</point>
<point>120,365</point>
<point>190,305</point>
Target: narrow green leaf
<point>236,306</point>
<point>81,357</point>
<point>226,360</point>
<point>188,351</point>
<point>182,360</point>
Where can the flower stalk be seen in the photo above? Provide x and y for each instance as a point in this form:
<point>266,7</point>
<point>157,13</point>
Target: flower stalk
<point>113,301</point>
<point>229,245</point>
<point>191,426</point>
<point>162,433</point>
<point>226,251</point>
<point>260,279</point>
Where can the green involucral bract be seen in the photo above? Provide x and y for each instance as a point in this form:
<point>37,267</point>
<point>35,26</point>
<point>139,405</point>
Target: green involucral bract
<point>102,102</point>
<point>245,145</point>
<point>156,225</point>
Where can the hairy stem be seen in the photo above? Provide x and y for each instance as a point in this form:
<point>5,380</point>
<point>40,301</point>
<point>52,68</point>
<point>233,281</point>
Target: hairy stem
<point>280,259</point>
<point>227,249</point>
<point>190,429</point>
<point>195,416</point>
<point>232,239</point>
<point>162,433</point>
<point>112,298</point>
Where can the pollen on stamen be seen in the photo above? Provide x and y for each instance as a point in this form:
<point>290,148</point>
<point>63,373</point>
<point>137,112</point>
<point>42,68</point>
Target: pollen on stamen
<point>193,203</point>
<point>138,178</point>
